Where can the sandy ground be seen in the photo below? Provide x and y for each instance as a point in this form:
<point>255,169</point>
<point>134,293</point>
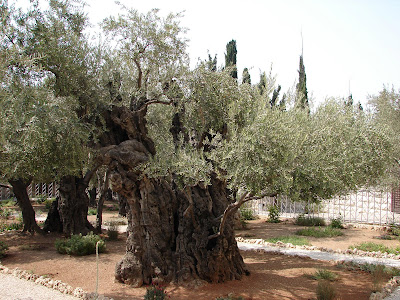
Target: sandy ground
<point>273,276</point>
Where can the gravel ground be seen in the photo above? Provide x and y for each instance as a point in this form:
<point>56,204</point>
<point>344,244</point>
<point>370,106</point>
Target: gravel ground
<point>13,288</point>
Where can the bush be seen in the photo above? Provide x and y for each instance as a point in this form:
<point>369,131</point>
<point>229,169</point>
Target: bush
<point>319,232</point>
<point>302,220</point>
<point>48,202</point>
<point>112,231</point>
<point>41,199</point>
<point>3,249</point>
<point>155,292</point>
<point>246,214</point>
<point>273,214</point>
<point>80,245</point>
<point>325,290</point>
<point>92,211</point>
<point>337,223</point>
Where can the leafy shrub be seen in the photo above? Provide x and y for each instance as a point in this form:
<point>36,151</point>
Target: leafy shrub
<point>325,290</point>
<point>374,247</point>
<point>319,232</point>
<point>41,199</point>
<point>3,249</point>
<point>295,240</point>
<point>112,231</point>
<point>379,277</point>
<point>155,292</point>
<point>337,223</point>
<point>302,220</point>
<point>246,213</point>
<point>48,202</point>
<point>92,211</point>
<point>273,214</point>
<point>80,245</point>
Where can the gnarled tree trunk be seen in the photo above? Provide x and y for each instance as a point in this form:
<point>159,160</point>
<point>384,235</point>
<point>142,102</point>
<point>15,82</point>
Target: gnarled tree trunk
<point>169,229</point>
<point>28,213</point>
<point>73,206</point>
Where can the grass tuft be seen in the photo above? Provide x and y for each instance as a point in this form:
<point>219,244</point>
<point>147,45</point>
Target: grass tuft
<point>319,232</point>
<point>375,247</point>
<point>295,240</point>
<point>302,220</point>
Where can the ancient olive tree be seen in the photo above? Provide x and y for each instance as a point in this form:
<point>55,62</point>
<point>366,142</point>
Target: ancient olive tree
<point>386,110</point>
<point>41,137</point>
<point>71,70</point>
<point>186,148</point>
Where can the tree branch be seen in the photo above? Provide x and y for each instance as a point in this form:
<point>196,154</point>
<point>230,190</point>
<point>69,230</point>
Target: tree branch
<point>139,80</point>
<point>229,211</point>
<point>89,174</point>
<point>5,186</point>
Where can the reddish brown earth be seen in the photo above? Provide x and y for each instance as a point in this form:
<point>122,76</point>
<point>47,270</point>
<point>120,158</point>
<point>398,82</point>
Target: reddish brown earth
<point>273,276</point>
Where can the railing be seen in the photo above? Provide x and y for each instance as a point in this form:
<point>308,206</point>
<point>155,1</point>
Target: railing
<point>48,190</point>
<point>365,206</point>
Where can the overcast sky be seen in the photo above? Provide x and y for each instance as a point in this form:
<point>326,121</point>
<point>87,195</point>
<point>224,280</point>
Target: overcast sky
<point>349,45</point>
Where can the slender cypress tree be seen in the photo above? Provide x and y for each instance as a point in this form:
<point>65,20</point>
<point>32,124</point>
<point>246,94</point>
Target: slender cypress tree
<point>212,63</point>
<point>301,87</point>
<point>246,76</point>
<point>230,57</point>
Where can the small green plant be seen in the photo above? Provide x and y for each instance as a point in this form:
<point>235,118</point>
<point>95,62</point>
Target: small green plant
<point>325,290</point>
<point>11,226</point>
<point>9,202</point>
<point>379,277</point>
<point>337,223</point>
<point>319,232</point>
<point>374,247</point>
<point>80,245</point>
<point>112,231</point>
<point>155,292</point>
<point>247,214</point>
<point>3,249</point>
<point>48,202</point>
<point>302,220</point>
<point>273,214</point>
<point>35,247</point>
<point>5,213</point>
<point>92,211</point>
<point>230,297</point>
<point>295,240</point>
<point>323,274</point>
<point>41,199</point>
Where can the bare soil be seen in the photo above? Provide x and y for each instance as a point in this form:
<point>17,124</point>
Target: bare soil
<point>273,276</point>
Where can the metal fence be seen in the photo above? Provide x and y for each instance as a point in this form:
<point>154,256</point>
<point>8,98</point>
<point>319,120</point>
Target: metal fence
<point>48,190</point>
<point>365,206</point>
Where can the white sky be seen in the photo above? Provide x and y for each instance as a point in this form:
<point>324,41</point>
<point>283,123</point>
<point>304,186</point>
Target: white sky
<point>347,43</point>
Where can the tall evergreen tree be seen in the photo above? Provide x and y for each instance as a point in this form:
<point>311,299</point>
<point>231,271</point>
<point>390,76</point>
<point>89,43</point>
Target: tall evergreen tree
<point>230,58</point>
<point>262,83</point>
<point>301,87</point>
<point>246,76</point>
<point>212,63</point>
